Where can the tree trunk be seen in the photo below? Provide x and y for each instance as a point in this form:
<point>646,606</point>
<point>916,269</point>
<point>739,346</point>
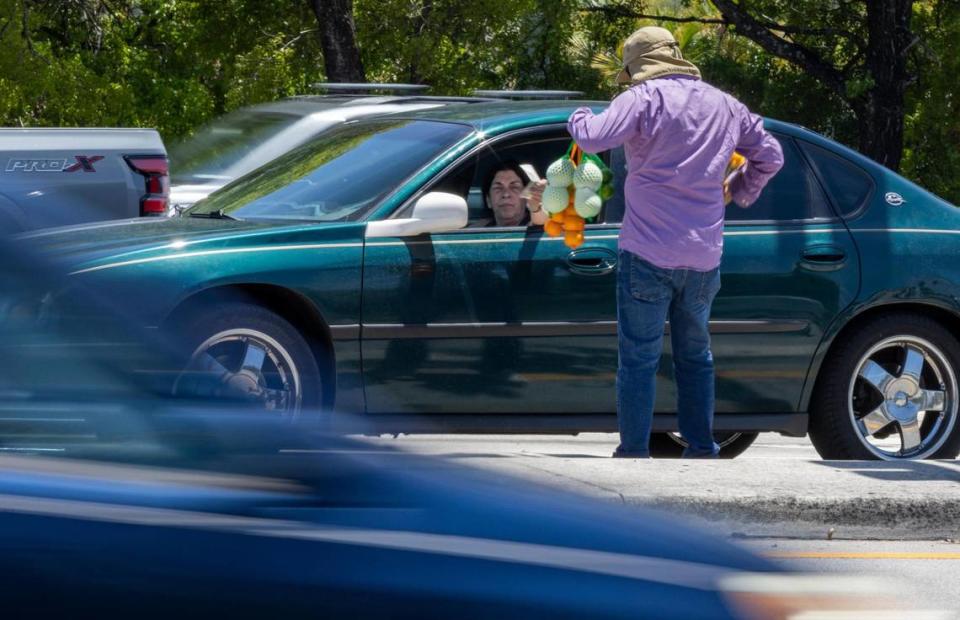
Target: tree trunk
<point>880,111</point>
<point>880,107</point>
<point>417,30</point>
<point>338,37</point>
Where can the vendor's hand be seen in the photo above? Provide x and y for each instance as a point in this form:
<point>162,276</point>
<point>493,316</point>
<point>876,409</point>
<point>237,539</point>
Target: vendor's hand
<point>727,194</point>
<point>535,200</point>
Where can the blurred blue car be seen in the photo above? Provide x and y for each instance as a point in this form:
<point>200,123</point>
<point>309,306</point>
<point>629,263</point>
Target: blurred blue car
<point>115,502</point>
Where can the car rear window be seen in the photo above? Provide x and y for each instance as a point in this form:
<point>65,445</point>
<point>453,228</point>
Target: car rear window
<point>793,194</point>
<point>339,176</point>
<point>849,186</point>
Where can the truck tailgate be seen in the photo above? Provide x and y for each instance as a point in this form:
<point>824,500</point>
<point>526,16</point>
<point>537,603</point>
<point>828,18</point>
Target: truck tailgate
<point>56,177</point>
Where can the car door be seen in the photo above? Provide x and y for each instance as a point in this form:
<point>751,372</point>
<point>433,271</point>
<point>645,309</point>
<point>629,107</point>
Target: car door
<point>789,268</point>
<point>510,321</point>
<point>489,320</point>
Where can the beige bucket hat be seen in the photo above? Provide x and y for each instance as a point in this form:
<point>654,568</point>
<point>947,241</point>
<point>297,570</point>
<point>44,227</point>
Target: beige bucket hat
<point>652,52</point>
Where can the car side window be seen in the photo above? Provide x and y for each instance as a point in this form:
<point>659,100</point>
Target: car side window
<point>792,194</point>
<point>614,207</point>
<point>538,151</point>
<point>849,186</point>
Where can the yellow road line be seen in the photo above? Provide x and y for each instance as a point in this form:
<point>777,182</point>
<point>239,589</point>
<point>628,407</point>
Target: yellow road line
<point>844,555</point>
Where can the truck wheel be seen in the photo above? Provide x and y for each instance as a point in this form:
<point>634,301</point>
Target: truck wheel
<point>241,351</point>
<point>889,391</point>
<point>671,445</point>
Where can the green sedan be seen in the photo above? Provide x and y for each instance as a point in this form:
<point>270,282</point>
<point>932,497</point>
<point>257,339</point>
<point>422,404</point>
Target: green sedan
<point>362,273</point>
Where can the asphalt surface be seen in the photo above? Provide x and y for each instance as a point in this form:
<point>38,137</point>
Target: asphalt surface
<point>922,575</point>
<point>895,523</point>
<point>779,487</point>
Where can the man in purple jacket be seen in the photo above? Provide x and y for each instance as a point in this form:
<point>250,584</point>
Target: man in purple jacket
<point>679,134</point>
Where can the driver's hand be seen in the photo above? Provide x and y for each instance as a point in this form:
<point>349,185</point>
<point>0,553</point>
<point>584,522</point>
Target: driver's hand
<point>535,199</point>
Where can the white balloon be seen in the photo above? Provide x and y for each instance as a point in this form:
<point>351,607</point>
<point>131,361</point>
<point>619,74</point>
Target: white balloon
<point>560,172</point>
<point>588,175</point>
<point>555,199</point>
<point>587,203</point>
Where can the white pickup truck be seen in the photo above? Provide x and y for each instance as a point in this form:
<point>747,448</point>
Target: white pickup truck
<point>56,177</point>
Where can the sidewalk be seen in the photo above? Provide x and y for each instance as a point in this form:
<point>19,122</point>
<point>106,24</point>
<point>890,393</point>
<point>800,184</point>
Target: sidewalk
<point>794,494</point>
<point>919,500</point>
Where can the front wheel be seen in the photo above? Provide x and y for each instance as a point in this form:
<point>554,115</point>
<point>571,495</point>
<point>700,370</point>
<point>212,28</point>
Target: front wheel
<point>240,351</point>
<point>671,445</point>
<point>889,391</point>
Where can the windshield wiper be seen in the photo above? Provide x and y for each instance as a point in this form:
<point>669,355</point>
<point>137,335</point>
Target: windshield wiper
<point>219,214</point>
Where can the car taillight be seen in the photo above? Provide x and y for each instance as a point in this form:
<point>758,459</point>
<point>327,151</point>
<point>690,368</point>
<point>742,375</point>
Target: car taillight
<point>156,171</point>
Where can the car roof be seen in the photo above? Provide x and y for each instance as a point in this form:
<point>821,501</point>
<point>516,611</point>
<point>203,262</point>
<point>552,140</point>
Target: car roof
<point>497,116</point>
<point>492,115</point>
<point>497,113</point>
<point>483,113</point>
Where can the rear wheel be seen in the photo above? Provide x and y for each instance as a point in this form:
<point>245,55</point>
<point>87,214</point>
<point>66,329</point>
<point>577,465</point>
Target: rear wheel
<point>671,445</point>
<point>241,351</point>
<point>889,391</point>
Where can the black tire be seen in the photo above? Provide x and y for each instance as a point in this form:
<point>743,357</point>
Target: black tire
<point>222,333</point>
<point>732,445</point>
<point>843,394</point>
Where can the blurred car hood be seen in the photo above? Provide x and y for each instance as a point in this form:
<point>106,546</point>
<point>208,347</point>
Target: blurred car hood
<point>78,246</point>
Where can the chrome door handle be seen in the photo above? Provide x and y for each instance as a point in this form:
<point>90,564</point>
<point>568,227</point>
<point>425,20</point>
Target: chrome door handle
<point>823,258</point>
<point>592,261</point>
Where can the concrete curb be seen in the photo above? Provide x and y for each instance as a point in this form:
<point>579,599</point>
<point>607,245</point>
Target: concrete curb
<point>778,488</point>
<point>857,500</point>
<point>852,519</point>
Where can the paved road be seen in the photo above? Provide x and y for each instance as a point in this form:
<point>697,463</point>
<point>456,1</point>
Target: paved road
<point>925,572</point>
<point>779,499</point>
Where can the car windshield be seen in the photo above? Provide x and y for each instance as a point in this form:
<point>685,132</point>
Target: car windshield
<point>209,153</point>
<point>338,177</point>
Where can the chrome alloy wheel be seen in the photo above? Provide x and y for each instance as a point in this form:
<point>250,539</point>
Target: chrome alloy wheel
<point>246,364</point>
<point>903,398</point>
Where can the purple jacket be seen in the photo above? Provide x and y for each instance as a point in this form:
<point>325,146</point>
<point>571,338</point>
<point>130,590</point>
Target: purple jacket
<point>678,134</point>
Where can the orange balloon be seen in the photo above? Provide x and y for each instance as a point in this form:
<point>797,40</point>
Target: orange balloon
<point>573,239</point>
<point>553,228</point>
<point>573,223</point>
<point>557,217</point>
<point>570,211</point>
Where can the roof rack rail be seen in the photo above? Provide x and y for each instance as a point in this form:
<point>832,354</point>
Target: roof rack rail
<point>529,94</point>
<point>431,99</point>
<point>347,87</point>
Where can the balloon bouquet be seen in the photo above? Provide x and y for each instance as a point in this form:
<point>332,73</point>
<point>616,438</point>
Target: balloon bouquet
<point>577,185</point>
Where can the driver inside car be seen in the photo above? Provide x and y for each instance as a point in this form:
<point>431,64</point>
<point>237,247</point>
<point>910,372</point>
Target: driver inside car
<point>503,194</point>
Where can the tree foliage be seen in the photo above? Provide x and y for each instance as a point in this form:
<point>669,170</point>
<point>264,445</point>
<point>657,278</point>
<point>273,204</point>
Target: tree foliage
<point>174,64</point>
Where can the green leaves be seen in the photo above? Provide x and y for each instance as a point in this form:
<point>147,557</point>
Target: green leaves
<point>169,64</point>
<point>174,64</point>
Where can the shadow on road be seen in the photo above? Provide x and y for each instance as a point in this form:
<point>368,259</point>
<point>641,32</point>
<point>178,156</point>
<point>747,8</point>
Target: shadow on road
<point>913,471</point>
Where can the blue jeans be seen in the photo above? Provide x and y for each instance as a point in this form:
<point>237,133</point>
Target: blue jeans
<point>646,296</point>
